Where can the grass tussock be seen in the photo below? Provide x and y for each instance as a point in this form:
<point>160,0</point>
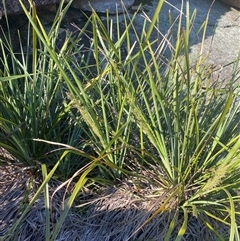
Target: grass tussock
<point>154,140</point>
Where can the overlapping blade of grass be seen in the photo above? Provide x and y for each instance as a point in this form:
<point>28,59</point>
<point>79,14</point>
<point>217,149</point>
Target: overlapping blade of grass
<point>33,100</point>
<point>194,129</point>
<point>83,173</point>
<point>90,111</point>
<point>34,105</point>
<point>169,117</point>
<point>92,101</point>
<point>185,125</point>
<point>102,101</point>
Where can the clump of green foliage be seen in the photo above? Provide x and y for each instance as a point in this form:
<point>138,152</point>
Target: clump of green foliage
<point>135,111</point>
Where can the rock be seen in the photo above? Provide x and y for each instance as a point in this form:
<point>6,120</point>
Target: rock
<point>233,3</point>
<point>14,7</point>
<point>101,6</point>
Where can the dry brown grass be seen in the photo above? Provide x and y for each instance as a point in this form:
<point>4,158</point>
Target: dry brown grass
<point>112,214</point>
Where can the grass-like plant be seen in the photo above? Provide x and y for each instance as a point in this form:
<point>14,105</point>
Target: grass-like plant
<point>34,105</point>
<point>137,111</point>
<point>182,121</point>
<point>33,98</point>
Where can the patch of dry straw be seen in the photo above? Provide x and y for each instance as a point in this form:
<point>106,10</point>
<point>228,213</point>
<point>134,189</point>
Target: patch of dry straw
<point>113,213</point>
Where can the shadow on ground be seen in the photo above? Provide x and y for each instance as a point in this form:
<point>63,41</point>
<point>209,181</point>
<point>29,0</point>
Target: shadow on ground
<point>113,215</point>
